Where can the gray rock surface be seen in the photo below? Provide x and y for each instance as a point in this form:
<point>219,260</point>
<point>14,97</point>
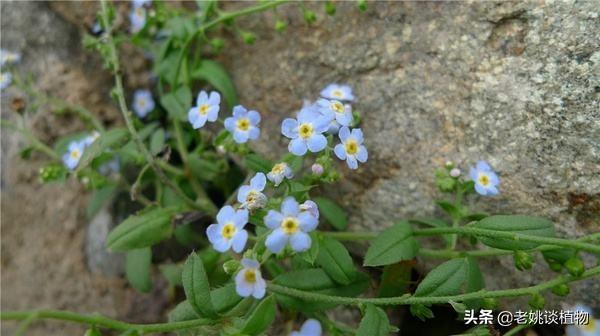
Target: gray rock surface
<point>516,84</point>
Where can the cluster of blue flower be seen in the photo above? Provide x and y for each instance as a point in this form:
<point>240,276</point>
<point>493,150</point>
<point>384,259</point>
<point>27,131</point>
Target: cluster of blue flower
<point>76,148</point>
<point>137,17</point>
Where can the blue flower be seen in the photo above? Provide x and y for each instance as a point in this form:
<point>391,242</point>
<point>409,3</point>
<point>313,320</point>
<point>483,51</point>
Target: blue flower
<point>337,91</point>
<point>89,140</point>
<point>335,109</point>
<point>243,125</point>
<point>73,155</point>
<point>143,103</point>
<point>311,207</point>
<point>290,225</point>
<point>5,80</point>
<point>137,18</point>
<point>306,132</point>
<point>279,172</point>
<point>207,108</point>
<point>251,196</point>
<point>351,149</point>
<point>9,57</point>
<point>486,181</point>
<point>310,327</point>
<point>580,327</point>
<point>229,231</point>
<point>141,3</point>
<point>249,280</point>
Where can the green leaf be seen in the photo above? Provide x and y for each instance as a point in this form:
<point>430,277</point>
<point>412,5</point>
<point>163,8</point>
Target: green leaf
<point>137,269</point>
<point>317,281</point>
<point>336,261</point>
<point>392,245</point>
<point>105,141</point>
<point>196,286</point>
<point>446,279</point>
<point>525,225</point>
<point>142,230</point>
<point>172,272</point>
<point>374,323</point>
<point>183,312</point>
<point>177,103</point>
<point>217,76</point>
<point>475,282</point>
<point>334,214</point>
<point>449,208</point>
<point>99,198</point>
<point>433,222</point>
<point>157,141</point>
<point>205,169</point>
<point>257,163</point>
<point>224,298</point>
<point>261,318</point>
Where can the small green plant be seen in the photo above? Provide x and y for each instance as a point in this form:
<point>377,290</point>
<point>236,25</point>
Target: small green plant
<point>274,246</point>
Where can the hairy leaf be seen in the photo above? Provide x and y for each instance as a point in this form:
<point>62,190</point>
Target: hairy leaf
<point>137,269</point>
<point>392,245</point>
<point>332,212</point>
<point>526,225</point>
<point>196,286</point>
<point>142,230</point>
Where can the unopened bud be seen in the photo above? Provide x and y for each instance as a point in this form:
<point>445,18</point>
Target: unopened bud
<point>317,169</point>
<point>329,8</point>
<point>455,172</point>
<point>280,26</point>
<point>561,290</point>
<point>310,16</point>
<point>575,266</point>
<point>362,5</point>
<point>221,149</point>
<point>523,260</point>
<point>248,37</point>
<point>537,301</point>
<point>489,303</point>
<point>449,164</point>
<point>217,44</point>
<point>231,266</point>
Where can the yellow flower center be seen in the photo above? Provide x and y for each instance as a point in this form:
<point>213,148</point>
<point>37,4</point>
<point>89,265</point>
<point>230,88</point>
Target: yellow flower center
<point>139,12</point>
<point>337,107</point>
<point>290,225</point>
<point>337,93</point>
<point>142,102</point>
<point>251,196</point>
<point>351,146</point>
<point>203,109</point>
<point>305,130</point>
<point>484,180</point>
<point>250,276</point>
<point>75,154</point>
<point>243,124</point>
<point>278,168</point>
<point>228,230</point>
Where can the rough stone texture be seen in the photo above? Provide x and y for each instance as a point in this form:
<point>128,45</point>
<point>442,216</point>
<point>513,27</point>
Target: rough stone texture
<point>514,83</point>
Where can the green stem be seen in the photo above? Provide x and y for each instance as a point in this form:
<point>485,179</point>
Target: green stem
<point>114,61</point>
<point>37,144</point>
<point>104,322</point>
<point>455,219</point>
<point>408,299</point>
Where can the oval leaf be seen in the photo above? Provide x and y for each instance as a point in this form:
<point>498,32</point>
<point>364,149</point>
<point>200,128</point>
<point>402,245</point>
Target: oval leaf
<point>137,269</point>
<point>196,286</point>
<point>142,230</point>
<point>261,318</point>
<point>446,279</point>
<point>526,225</point>
<point>336,261</point>
<point>374,323</point>
<point>392,245</point>
<point>332,212</point>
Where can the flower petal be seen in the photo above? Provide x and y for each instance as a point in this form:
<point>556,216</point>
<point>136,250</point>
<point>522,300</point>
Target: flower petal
<point>253,133</point>
<point>308,222</point>
<point>351,161</point>
<point>340,152</point>
<point>300,241</point>
<point>202,98</point>
<point>240,136</point>
<point>239,241</point>
<point>222,244</point>
<point>289,207</point>
<point>250,263</point>
<point>345,119</point>
<point>276,241</point>
<point>213,233</point>
<point>214,98</point>
<point>229,124</point>
<point>473,173</point>
<point>254,117</point>
<point>357,134</point>
<point>482,165</point>
<point>289,128</point>
<point>243,288</point>
<point>243,193</point>
<point>317,143</point>
<point>344,133</point>
<point>273,219</point>
<point>213,113</point>
<point>297,147</point>
<point>225,214</point>
<point>311,327</point>
<point>260,288</point>
<point>362,154</point>
<point>239,111</point>
<point>258,182</point>
<point>240,218</point>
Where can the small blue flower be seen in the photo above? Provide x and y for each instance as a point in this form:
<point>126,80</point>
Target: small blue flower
<point>279,172</point>
<point>310,327</point>
<point>206,109</point>
<point>137,18</point>
<point>290,225</point>
<point>142,3</point>
<point>338,92</point>
<point>249,280</point>
<point>486,181</point>
<point>143,103</point>
<point>73,155</point>
<point>5,80</point>
<point>335,109</point>
<point>9,57</point>
<point>311,207</point>
<point>351,149</point>
<point>306,131</point>
<point>251,196</point>
<point>243,125</point>
<point>89,140</point>
<point>229,231</point>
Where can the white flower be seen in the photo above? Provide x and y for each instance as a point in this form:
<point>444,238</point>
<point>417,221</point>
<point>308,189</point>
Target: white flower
<point>73,155</point>
<point>310,327</point>
<point>455,172</point>
<point>251,196</point>
<point>279,172</point>
<point>249,281</point>
<point>229,232</point>
<point>337,91</point>
<point>206,109</point>
<point>143,103</point>
<point>291,225</point>
<point>351,149</point>
<point>311,207</point>
<point>337,110</point>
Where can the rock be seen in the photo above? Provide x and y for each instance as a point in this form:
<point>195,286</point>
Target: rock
<point>99,259</point>
<point>515,84</point>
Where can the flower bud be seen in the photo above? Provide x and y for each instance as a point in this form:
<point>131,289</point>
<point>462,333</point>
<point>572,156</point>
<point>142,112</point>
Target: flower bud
<point>489,303</point>
<point>310,16</point>
<point>575,266</point>
<point>317,169</point>
<point>280,26</point>
<point>455,172</point>
<point>362,5</point>
<point>537,301</point>
<point>523,260</point>
<point>329,8</point>
<point>561,290</point>
<point>217,44</point>
<point>248,37</point>
<point>449,164</point>
<point>231,266</point>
